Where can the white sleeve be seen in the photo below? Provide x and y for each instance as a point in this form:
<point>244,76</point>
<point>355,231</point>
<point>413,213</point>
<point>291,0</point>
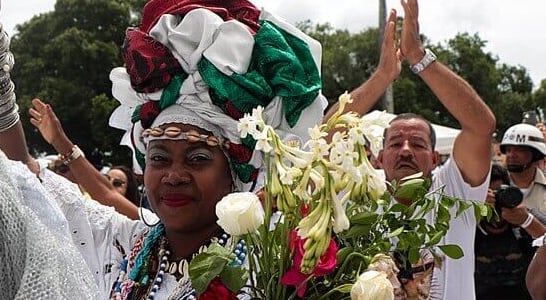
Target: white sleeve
<point>102,235</point>
<point>455,278</point>
<point>37,255</point>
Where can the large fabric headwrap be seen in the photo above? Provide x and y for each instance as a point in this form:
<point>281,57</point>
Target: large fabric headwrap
<point>219,60</point>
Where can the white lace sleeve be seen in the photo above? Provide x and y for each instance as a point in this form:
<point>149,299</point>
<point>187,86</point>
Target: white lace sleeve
<point>102,235</point>
<point>38,259</point>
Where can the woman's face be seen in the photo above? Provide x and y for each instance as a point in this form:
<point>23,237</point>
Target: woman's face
<point>119,180</point>
<point>184,181</point>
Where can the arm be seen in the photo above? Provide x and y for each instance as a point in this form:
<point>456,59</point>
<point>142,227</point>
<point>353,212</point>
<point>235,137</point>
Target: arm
<point>13,143</point>
<point>100,189</point>
<point>536,275</point>
<point>471,150</point>
<point>366,95</point>
<point>12,136</point>
<point>519,214</point>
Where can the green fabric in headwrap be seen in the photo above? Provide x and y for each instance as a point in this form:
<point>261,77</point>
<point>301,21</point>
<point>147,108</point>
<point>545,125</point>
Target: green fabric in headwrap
<point>281,65</point>
<point>135,117</point>
<point>140,158</point>
<point>172,91</point>
<point>168,97</point>
<point>243,171</point>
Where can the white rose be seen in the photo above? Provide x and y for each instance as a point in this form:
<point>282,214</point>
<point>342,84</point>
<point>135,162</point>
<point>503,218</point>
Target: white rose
<point>240,213</point>
<point>372,285</point>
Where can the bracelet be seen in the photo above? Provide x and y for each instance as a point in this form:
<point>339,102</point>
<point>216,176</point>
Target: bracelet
<point>429,58</point>
<point>527,221</point>
<point>74,153</point>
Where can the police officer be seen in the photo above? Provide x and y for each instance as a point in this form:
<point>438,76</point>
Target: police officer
<point>524,147</point>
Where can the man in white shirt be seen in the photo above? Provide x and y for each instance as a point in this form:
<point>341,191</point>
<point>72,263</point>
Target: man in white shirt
<point>410,140</point>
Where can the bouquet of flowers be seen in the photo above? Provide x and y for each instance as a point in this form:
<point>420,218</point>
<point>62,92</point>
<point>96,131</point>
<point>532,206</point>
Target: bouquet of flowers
<point>327,226</point>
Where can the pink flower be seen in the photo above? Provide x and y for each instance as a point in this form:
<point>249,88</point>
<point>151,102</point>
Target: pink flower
<point>294,276</point>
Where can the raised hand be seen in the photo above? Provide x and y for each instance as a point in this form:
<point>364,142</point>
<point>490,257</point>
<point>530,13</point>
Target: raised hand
<point>411,45</point>
<point>43,118</point>
<point>390,61</point>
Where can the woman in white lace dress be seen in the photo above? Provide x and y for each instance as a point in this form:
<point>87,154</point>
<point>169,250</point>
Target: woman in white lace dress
<point>191,71</point>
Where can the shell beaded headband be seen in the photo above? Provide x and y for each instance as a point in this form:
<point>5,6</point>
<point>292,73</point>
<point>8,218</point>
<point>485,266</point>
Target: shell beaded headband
<point>175,133</point>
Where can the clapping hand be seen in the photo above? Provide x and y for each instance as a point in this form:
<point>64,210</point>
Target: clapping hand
<point>411,46</point>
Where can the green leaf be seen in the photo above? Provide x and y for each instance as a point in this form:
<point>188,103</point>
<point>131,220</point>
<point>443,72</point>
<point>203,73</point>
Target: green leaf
<point>364,218</point>
<point>398,208</point>
<point>452,251</point>
<point>485,210</point>
<point>436,238</point>
<point>345,288</point>
<point>463,206</point>
<point>342,254</point>
<point>443,214</point>
<point>414,255</point>
<point>408,189</point>
<point>398,231</point>
<point>358,231</point>
<point>205,266</point>
<point>234,277</point>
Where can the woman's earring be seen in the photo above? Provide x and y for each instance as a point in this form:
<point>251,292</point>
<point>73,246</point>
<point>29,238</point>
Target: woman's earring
<point>144,197</point>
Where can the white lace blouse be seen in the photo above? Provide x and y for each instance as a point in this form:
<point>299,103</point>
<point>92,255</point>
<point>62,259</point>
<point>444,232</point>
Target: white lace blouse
<point>101,234</point>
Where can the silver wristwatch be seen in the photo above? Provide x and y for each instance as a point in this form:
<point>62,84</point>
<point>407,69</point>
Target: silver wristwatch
<point>429,58</point>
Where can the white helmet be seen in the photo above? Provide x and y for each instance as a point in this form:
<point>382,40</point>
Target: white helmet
<point>524,135</point>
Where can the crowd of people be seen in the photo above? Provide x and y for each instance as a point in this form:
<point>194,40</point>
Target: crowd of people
<point>181,91</point>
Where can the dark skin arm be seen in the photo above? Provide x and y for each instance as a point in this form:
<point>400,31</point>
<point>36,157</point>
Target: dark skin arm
<point>13,143</point>
<point>366,95</point>
<point>518,215</point>
<point>100,188</point>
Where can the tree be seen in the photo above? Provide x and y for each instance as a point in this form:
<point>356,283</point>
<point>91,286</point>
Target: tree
<point>347,59</point>
<point>64,57</point>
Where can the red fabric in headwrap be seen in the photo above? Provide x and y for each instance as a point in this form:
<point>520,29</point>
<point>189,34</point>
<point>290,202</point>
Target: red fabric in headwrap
<point>241,10</point>
<point>149,63</point>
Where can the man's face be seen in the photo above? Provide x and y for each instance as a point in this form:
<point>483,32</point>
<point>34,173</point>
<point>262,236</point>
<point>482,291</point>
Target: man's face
<point>518,155</point>
<point>407,150</point>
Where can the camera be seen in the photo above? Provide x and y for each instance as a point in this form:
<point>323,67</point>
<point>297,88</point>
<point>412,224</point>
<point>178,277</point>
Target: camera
<point>508,196</point>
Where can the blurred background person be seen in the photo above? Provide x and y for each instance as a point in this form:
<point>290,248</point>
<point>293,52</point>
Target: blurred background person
<point>497,157</point>
<point>124,181</point>
<point>524,147</point>
<point>503,251</point>
<point>100,188</point>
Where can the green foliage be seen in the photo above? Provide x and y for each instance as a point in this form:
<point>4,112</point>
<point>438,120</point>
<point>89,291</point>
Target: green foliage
<point>372,231</point>
<point>347,59</point>
<point>64,57</point>
<point>205,266</point>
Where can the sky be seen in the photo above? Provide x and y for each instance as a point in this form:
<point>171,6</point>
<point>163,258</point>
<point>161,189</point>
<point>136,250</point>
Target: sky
<point>514,32</point>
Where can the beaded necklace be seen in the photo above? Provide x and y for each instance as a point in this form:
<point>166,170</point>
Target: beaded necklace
<point>143,261</point>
